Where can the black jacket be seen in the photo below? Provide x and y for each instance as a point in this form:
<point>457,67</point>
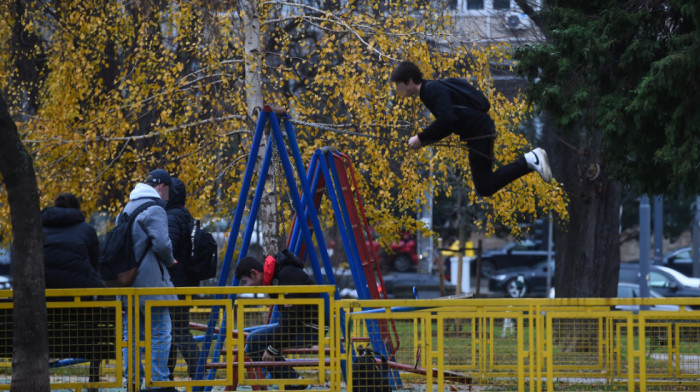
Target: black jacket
<point>453,114</point>
<point>179,229</point>
<point>289,271</point>
<point>71,249</point>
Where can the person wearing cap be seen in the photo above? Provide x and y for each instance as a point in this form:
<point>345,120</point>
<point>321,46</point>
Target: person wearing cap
<point>150,237</point>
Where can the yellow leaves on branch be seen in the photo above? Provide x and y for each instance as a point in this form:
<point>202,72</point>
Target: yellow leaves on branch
<point>130,86</point>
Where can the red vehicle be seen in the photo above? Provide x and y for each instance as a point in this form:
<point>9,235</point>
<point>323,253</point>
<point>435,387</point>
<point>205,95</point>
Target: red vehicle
<point>403,255</point>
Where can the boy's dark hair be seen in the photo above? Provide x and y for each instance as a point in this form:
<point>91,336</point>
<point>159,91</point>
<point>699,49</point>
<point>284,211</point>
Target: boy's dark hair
<point>405,71</point>
<point>248,264</point>
<point>67,200</point>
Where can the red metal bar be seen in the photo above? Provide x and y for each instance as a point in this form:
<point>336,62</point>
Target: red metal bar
<point>361,228</point>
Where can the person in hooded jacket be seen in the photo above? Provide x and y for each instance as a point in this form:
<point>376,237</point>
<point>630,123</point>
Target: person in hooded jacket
<point>71,247</point>
<point>297,325</point>
<point>150,238</point>
<point>180,224</point>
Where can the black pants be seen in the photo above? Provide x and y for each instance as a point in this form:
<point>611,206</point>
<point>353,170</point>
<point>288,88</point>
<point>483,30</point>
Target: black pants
<point>183,341</point>
<point>481,158</point>
<point>279,337</point>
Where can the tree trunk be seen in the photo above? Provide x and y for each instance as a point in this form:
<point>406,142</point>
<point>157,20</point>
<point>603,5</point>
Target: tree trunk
<point>588,247</point>
<point>30,361</point>
<point>269,225</point>
<point>28,57</point>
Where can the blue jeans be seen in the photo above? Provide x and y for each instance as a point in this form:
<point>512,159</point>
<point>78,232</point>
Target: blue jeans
<point>160,343</point>
<point>280,338</point>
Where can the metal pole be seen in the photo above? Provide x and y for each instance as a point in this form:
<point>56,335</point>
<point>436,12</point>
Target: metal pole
<point>457,271</point>
<point>695,249</point>
<point>425,244</point>
<point>478,270</point>
<point>658,228</point>
<point>549,256</point>
<point>644,245</point>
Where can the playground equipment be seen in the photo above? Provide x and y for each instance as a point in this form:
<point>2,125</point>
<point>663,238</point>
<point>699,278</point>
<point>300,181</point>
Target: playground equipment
<point>333,171</point>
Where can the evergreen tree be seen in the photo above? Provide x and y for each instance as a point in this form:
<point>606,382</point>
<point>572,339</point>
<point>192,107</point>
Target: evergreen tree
<point>618,81</point>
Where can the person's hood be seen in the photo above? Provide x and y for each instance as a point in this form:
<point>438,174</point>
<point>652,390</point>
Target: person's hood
<point>178,194</point>
<point>60,216</point>
<point>142,190</point>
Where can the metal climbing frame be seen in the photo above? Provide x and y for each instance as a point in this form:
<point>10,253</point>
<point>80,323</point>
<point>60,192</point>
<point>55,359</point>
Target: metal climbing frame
<point>266,116</point>
<point>336,176</point>
<point>334,171</point>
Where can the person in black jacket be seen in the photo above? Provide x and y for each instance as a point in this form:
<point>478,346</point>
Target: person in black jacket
<point>71,247</point>
<point>298,324</point>
<point>450,101</point>
<point>180,224</point>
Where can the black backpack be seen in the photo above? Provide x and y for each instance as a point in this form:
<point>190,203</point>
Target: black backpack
<point>204,255</point>
<point>474,97</point>
<point>367,374</point>
<point>118,265</point>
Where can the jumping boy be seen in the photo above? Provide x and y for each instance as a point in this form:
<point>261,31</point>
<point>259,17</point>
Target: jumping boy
<point>451,102</point>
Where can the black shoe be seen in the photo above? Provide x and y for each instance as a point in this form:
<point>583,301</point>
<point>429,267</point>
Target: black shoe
<point>160,389</point>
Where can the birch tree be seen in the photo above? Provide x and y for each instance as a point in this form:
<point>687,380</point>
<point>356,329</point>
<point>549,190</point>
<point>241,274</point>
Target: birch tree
<point>128,86</point>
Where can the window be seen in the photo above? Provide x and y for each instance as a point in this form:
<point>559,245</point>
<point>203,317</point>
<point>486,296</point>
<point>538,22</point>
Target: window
<point>475,4</point>
<point>658,280</point>
<point>501,4</point>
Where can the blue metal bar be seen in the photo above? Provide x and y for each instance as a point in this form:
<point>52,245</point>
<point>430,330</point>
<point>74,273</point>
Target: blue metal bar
<point>295,244</point>
<point>233,236</point>
<point>301,211</point>
<point>358,274</point>
<point>373,329</point>
<point>67,362</point>
<point>296,198</point>
<point>250,225</point>
<point>242,197</point>
<point>395,309</point>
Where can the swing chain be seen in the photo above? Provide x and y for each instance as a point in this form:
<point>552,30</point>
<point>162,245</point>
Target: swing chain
<point>278,181</point>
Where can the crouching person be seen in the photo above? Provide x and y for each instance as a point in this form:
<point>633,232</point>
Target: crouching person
<point>298,324</point>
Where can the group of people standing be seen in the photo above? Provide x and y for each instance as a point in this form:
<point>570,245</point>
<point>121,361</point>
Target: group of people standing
<point>161,237</point>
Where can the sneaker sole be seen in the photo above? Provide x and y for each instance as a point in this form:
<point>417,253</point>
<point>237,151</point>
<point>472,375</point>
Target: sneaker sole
<point>546,170</point>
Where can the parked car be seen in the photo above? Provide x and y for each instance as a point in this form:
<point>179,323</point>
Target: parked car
<point>524,253</point>
<point>5,261</point>
<point>631,290</point>
<point>534,280</point>
<point>679,260</point>
<point>665,281</point>
<point>5,273</point>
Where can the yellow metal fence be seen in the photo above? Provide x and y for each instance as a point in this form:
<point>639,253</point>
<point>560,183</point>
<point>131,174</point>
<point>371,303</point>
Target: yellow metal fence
<point>444,344</point>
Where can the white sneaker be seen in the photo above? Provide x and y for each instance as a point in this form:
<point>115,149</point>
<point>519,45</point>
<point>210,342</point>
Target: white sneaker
<point>537,161</point>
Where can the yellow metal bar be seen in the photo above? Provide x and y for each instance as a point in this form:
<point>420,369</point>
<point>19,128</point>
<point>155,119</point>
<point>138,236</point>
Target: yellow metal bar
<point>649,350</point>
<point>632,354</point>
<point>521,354</point>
